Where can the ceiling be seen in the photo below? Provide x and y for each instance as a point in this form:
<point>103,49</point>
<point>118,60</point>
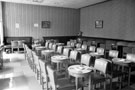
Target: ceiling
<point>59,3</point>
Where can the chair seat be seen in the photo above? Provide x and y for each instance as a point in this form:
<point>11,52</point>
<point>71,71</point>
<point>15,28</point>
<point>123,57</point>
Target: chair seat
<point>64,82</point>
<point>97,78</point>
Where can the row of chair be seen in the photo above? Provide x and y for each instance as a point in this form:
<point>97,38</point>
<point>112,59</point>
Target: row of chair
<point>114,54</point>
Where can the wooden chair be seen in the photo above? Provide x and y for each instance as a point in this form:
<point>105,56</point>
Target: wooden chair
<point>113,54</point>
<point>14,46</point>
<point>20,46</point>
<point>78,45</point>
<point>100,50</point>
<point>60,49</point>
<point>36,65</point>
<point>85,59</point>
<point>74,57</point>
<point>54,47</point>
<point>92,48</point>
<point>44,75</point>
<point>100,73</point>
<point>66,51</point>
<point>131,66</point>
<point>50,45</point>
<point>47,44</point>
<point>58,84</point>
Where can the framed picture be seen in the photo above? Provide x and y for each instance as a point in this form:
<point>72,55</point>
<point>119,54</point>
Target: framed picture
<point>45,24</point>
<point>99,24</point>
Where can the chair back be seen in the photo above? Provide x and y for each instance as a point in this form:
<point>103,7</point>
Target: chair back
<point>60,49</point>
<point>52,77</point>
<point>92,48</point>
<point>130,57</point>
<point>47,44</point>
<point>72,44</point>
<point>101,65</point>
<point>14,43</point>
<point>54,47</point>
<point>78,45</point>
<point>43,67</point>
<point>50,45</point>
<point>66,51</point>
<point>113,53</point>
<point>84,47</point>
<point>68,43</point>
<point>85,59</point>
<point>74,55</point>
<point>20,43</point>
<point>36,60</point>
<point>100,50</point>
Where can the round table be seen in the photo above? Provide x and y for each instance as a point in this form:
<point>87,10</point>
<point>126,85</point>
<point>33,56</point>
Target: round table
<point>59,59</point>
<point>79,71</point>
<point>39,49</point>
<point>35,45</point>
<point>47,54</point>
<point>124,63</point>
<point>95,54</point>
<point>60,44</point>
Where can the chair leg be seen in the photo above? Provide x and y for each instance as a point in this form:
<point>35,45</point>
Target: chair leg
<point>120,79</point>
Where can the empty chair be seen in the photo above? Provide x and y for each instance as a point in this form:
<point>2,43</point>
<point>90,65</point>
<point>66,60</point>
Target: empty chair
<point>47,44</point>
<point>60,49</point>
<point>113,54</point>
<point>84,47</point>
<point>66,52</point>
<point>100,51</point>
<point>44,77</point>
<point>54,47</point>
<point>68,43</point>
<point>78,45</point>
<point>85,59</point>
<point>58,84</point>
<point>20,46</point>
<point>100,72</point>
<point>50,45</point>
<point>92,48</point>
<point>131,57</point>
<point>36,65</point>
<point>14,46</point>
<point>74,57</point>
<point>72,44</point>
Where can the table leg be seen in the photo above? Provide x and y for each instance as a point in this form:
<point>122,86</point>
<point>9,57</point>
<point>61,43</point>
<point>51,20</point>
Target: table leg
<point>58,66</point>
<point>76,82</point>
<point>89,82</point>
<point>129,76</point>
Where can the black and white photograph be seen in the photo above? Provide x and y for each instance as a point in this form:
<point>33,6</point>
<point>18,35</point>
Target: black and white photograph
<point>67,44</point>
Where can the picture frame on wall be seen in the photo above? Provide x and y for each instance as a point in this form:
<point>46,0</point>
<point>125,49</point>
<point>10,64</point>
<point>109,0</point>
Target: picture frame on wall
<point>99,24</point>
<point>45,24</point>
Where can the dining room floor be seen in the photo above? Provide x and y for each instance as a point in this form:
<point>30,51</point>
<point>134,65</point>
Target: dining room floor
<point>17,75</point>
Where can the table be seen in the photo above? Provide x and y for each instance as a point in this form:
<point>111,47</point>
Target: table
<point>35,45</point>
<point>47,54</point>
<point>60,44</point>
<point>95,54</point>
<point>38,49</point>
<point>79,71</point>
<point>71,47</point>
<point>124,63</point>
<point>59,59</point>
<point>80,50</point>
